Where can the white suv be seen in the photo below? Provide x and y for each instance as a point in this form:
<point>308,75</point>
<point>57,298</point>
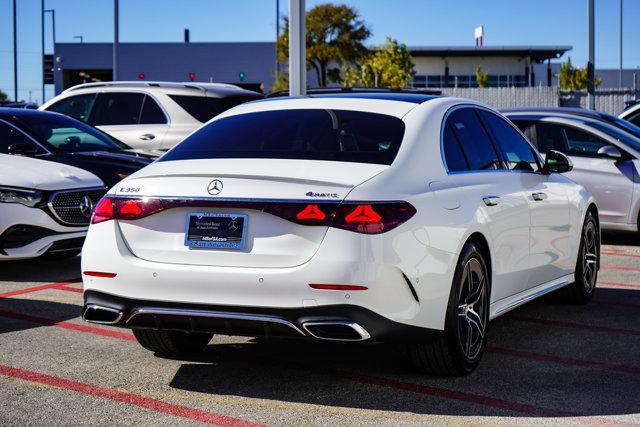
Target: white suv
<point>148,115</point>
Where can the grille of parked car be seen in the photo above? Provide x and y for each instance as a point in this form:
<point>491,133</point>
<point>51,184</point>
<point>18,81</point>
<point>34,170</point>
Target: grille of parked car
<point>75,207</point>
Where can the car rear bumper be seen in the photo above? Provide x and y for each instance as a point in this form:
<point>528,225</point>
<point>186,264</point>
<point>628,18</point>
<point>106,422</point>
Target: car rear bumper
<point>343,323</point>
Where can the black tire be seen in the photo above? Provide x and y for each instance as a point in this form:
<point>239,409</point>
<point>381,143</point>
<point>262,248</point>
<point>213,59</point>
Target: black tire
<point>172,343</point>
<point>459,351</point>
<point>586,273</point>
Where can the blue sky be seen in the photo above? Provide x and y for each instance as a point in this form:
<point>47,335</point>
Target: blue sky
<point>414,22</point>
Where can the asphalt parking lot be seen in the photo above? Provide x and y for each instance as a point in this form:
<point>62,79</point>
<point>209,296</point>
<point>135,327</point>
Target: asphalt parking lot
<point>546,363</point>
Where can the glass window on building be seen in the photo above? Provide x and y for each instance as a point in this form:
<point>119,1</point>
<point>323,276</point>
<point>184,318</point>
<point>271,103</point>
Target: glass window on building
<point>419,81</point>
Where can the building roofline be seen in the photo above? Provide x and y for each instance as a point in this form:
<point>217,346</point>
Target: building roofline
<point>537,53</point>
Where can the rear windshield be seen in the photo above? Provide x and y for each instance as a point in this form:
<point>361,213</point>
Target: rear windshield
<point>204,108</point>
<point>306,134</point>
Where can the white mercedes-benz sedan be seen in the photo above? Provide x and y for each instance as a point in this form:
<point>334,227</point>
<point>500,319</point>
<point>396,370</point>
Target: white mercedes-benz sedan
<point>45,207</point>
<point>341,217</point>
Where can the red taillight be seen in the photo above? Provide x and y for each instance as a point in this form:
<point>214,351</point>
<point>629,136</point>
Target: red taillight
<point>363,214</point>
<point>339,287</point>
<point>372,218</point>
<point>103,211</point>
<point>311,212</point>
<point>128,209</point>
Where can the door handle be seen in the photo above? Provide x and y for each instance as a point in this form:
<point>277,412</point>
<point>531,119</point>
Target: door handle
<point>538,196</point>
<point>147,136</point>
<point>491,200</point>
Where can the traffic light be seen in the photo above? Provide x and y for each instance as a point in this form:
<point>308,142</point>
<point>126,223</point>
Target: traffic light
<point>47,69</point>
<point>242,75</point>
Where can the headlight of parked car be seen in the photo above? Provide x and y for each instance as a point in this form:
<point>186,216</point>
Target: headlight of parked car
<point>20,195</point>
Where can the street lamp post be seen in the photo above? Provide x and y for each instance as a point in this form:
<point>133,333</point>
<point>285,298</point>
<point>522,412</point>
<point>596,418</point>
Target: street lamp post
<point>15,53</point>
<point>297,48</point>
<point>80,38</point>
<point>116,37</point>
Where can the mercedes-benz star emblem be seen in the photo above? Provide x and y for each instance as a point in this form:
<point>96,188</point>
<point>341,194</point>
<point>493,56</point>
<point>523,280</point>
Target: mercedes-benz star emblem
<point>86,206</point>
<point>215,187</point>
<point>233,225</point>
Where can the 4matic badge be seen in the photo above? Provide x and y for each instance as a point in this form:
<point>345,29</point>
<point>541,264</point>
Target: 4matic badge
<point>326,195</point>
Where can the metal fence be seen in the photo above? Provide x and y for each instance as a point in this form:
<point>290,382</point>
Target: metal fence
<point>608,100</point>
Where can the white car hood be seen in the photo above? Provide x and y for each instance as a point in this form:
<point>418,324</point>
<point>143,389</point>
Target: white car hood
<point>26,172</point>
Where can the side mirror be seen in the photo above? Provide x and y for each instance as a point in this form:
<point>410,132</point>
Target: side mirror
<point>23,149</point>
<point>610,152</point>
<point>557,162</point>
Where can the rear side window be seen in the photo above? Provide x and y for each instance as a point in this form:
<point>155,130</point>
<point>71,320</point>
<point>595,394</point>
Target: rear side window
<point>455,158</point>
<point>476,146</point>
<point>308,134</point>
<point>203,108</point>
<point>114,108</point>
<point>151,112</point>
<point>78,107</point>
<point>121,108</point>
<point>634,118</point>
<point>516,151</point>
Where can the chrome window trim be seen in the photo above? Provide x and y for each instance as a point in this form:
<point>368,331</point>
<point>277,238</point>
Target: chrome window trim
<point>47,152</point>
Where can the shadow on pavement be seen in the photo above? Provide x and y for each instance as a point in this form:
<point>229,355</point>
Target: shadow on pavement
<point>17,314</point>
<point>40,270</point>
<point>621,238</point>
<point>379,377</point>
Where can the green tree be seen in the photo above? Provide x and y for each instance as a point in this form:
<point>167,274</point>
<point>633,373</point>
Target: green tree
<point>574,78</point>
<point>387,66</point>
<point>335,38</point>
<point>3,96</point>
<point>482,78</point>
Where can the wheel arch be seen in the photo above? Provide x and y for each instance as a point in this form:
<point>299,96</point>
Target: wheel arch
<point>483,244</point>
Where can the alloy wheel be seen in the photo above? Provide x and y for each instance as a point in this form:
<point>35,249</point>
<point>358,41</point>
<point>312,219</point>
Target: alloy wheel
<point>472,308</point>
<point>589,256</point>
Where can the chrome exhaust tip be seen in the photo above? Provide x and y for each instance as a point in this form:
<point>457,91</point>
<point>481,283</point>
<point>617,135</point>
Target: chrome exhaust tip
<point>336,331</point>
<point>99,314</point>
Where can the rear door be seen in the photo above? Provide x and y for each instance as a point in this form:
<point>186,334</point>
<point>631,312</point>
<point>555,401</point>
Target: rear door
<point>134,118</point>
<point>549,254</point>
<point>477,172</point>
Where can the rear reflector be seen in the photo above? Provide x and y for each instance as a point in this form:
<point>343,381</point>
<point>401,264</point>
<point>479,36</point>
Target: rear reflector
<point>359,217</point>
<point>100,274</point>
<point>339,287</point>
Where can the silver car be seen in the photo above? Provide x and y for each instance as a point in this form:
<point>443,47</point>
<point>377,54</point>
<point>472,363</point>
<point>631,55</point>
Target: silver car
<point>605,160</point>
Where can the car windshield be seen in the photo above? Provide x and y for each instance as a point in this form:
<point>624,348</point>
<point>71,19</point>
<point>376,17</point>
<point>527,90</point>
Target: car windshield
<point>305,134</point>
<point>622,136</point>
<point>69,135</point>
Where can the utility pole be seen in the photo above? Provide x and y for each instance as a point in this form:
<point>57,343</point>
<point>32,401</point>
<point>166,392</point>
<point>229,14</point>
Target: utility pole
<point>297,49</point>
<point>590,64</point>
<point>620,84</point>
<point>116,38</point>
<point>15,54</point>
<point>277,35</point>
<point>42,26</point>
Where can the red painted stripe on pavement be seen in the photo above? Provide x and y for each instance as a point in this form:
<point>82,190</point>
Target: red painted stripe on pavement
<point>435,391</point>
<point>621,254</point>
<point>618,267</point>
<point>563,360</point>
<point>67,325</point>
<point>70,289</point>
<point>125,397</point>
<point>38,288</point>
<point>440,392</point>
<point>574,325</point>
<point>621,285</point>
